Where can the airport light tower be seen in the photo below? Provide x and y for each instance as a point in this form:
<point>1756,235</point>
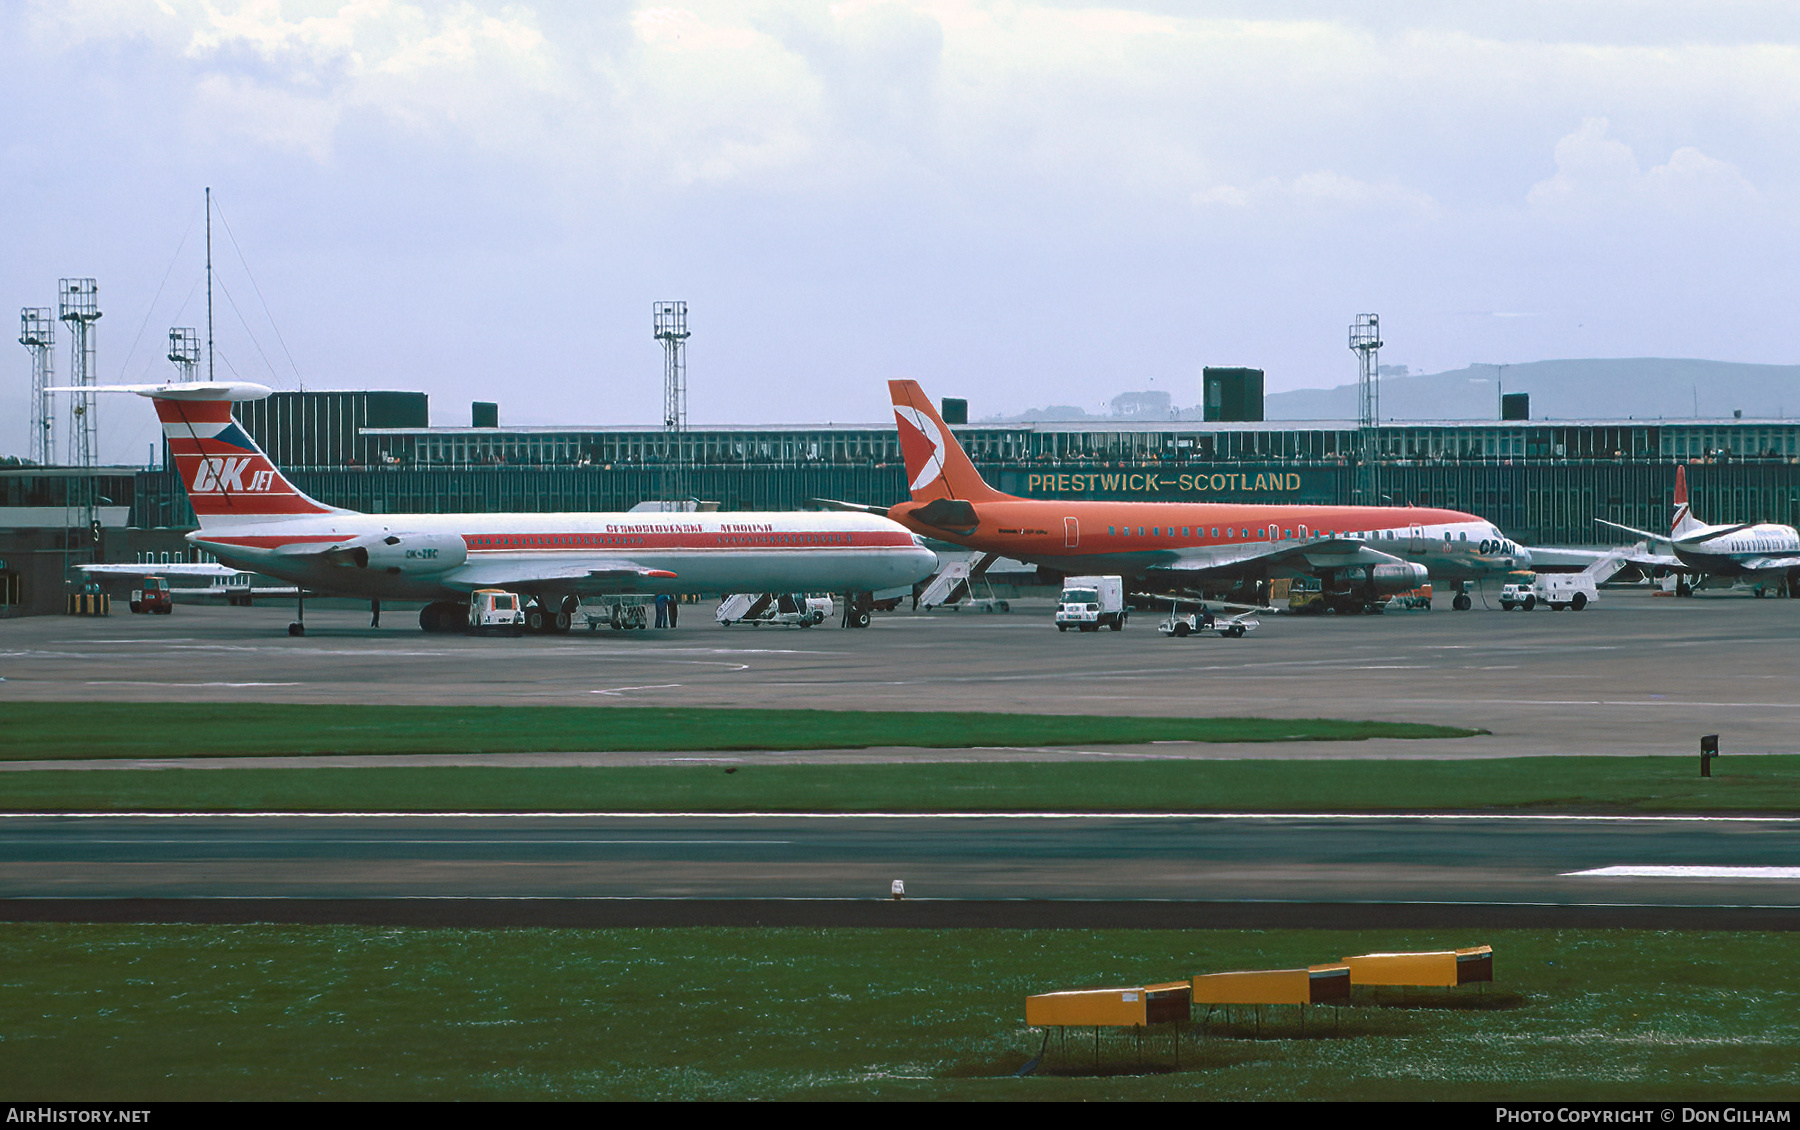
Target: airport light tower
<point>79,302</point>
<point>37,332</point>
<point>1365,342</point>
<point>184,351</point>
<point>670,327</point>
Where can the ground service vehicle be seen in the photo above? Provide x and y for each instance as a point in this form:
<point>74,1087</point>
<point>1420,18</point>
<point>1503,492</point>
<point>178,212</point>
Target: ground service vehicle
<point>1306,597</point>
<point>1514,595</point>
<point>1183,624</point>
<point>1419,598</point>
<point>154,596</point>
<point>1091,603</point>
<point>620,613</point>
<point>1573,591</point>
<point>495,611</point>
<point>788,608</point>
<point>953,587</point>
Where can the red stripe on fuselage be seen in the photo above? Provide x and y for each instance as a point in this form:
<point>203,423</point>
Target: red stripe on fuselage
<point>570,542</point>
<point>691,539</point>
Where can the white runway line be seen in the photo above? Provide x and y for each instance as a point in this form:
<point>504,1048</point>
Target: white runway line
<point>1071,816</point>
<point>652,687</point>
<point>136,841</point>
<point>1685,871</point>
<point>146,683</point>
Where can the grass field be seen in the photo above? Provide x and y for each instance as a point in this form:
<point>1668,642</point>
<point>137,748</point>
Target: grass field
<point>178,1012</point>
<point>55,730</point>
<point>1750,784</point>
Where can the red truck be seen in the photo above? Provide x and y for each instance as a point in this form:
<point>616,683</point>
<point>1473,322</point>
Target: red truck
<point>154,596</point>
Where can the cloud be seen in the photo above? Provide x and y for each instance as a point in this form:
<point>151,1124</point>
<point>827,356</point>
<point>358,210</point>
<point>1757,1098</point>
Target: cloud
<point>1595,171</point>
<point>1321,190</point>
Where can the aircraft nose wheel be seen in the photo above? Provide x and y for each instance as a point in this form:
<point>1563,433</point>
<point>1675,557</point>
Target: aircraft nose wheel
<point>296,629</point>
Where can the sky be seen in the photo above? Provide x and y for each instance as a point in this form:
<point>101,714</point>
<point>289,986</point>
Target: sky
<point>1017,203</point>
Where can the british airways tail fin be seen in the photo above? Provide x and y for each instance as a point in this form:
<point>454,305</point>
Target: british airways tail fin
<point>936,466</point>
<point>1682,522</point>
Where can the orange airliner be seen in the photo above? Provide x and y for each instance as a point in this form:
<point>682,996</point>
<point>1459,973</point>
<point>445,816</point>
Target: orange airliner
<point>1362,554</point>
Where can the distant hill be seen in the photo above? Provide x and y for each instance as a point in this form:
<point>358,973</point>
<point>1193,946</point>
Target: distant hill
<point>1600,389</point>
<point>1645,388</point>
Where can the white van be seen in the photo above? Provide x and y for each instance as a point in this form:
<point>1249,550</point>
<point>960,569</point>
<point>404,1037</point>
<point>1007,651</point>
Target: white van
<point>1091,603</point>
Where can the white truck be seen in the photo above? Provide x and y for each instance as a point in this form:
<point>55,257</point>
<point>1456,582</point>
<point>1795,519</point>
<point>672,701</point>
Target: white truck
<point>1091,603</point>
<point>1573,591</point>
<point>496,611</point>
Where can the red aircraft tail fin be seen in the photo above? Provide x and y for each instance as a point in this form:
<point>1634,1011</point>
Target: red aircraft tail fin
<point>227,476</point>
<point>1682,520</point>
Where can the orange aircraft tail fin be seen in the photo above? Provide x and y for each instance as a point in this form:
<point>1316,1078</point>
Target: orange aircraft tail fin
<point>936,466</point>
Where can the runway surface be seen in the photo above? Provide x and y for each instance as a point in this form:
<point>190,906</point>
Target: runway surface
<point>1635,674</point>
<point>1084,864</point>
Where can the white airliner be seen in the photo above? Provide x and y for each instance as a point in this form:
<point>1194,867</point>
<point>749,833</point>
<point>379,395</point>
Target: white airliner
<point>1762,552</point>
<point>253,519</point>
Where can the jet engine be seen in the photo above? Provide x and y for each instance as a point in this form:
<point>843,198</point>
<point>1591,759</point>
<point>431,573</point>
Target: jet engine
<point>1386,580</point>
<point>400,554</point>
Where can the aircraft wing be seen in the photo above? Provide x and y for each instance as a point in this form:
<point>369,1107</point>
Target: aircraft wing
<point>181,569</point>
<point>1601,564</point>
<point>1694,541</point>
<point>1310,554</point>
<point>597,576</point>
<point>1771,563</point>
<point>1645,534</point>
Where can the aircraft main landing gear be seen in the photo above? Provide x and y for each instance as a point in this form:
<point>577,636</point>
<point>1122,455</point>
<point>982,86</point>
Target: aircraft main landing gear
<point>443,616</point>
<point>298,627</point>
<point>858,609</point>
<point>540,618</point>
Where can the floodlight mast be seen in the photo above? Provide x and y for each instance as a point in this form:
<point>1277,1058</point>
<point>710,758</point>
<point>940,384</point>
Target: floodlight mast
<point>669,325</point>
<point>1365,341</point>
<point>184,351</point>
<point>79,306</point>
<point>37,333</point>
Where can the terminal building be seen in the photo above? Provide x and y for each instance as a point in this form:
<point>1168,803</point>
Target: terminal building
<point>1541,481</point>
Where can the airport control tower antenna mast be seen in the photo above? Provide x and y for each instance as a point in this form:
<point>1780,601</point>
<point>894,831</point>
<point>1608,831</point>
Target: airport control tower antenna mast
<point>1365,341</point>
<point>79,302</point>
<point>670,323</point>
<point>37,332</point>
<point>209,320</point>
